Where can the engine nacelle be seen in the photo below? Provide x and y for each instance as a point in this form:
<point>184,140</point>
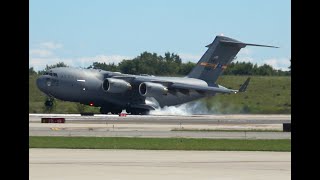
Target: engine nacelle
<point>112,85</point>
<point>150,89</point>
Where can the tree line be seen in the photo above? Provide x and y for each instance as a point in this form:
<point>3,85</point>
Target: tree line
<point>171,65</point>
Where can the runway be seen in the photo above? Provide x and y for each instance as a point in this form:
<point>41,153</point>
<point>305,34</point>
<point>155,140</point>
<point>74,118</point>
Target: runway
<point>162,126</point>
<point>173,119</point>
<point>51,164</point>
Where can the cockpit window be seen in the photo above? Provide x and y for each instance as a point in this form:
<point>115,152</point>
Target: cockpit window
<point>51,74</point>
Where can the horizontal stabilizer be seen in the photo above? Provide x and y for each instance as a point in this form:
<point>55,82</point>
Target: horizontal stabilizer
<point>245,44</point>
<point>261,45</point>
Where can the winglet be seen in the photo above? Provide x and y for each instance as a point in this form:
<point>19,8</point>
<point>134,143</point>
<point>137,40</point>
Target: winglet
<point>244,86</point>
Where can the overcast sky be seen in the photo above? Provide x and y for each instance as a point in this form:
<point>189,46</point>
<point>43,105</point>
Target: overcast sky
<point>80,32</point>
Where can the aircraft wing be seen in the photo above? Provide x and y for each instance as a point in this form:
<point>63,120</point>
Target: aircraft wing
<point>187,87</point>
<point>178,86</point>
<point>210,89</point>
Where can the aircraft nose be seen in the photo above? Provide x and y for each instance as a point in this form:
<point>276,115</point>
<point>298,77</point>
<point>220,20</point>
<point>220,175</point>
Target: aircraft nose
<point>41,83</point>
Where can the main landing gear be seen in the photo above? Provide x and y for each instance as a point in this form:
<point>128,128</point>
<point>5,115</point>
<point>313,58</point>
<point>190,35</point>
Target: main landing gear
<point>114,110</point>
<point>137,111</point>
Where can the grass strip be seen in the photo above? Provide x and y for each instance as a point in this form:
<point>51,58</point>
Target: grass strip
<point>159,143</point>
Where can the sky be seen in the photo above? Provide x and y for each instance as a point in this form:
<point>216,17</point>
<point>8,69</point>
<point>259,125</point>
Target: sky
<point>80,32</point>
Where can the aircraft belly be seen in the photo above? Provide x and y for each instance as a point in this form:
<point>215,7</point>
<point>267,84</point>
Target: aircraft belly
<point>118,99</point>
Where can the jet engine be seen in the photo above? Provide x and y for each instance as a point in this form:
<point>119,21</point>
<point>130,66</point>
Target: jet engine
<point>150,89</point>
<point>112,85</point>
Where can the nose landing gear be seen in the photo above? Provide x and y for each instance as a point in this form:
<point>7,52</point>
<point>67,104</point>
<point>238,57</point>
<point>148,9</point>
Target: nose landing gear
<point>49,104</point>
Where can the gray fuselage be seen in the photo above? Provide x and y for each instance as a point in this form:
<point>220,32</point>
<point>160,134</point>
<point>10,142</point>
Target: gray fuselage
<point>85,86</point>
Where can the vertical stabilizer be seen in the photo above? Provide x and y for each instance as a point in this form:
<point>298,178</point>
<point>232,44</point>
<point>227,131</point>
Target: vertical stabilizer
<point>215,60</point>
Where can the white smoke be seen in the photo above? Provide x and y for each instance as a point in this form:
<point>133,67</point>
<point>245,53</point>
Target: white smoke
<point>186,109</point>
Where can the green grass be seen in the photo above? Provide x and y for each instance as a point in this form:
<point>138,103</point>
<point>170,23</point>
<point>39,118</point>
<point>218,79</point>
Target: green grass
<point>159,143</point>
<point>227,130</point>
<point>265,95</point>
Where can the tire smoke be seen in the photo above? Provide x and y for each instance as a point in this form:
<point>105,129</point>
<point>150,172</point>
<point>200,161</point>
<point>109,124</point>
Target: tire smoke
<point>191,108</point>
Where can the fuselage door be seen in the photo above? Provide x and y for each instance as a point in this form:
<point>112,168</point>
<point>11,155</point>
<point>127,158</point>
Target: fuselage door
<point>82,87</point>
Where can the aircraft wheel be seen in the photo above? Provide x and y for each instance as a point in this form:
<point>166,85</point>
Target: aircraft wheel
<point>49,103</point>
<point>144,112</point>
<point>116,111</point>
<point>104,110</point>
<point>138,111</point>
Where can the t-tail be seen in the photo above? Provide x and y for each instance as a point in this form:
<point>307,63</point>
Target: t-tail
<point>215,60</point>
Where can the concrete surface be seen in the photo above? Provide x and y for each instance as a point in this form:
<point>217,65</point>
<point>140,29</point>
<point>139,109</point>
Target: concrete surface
<point>84,164</point>
<point>161,126</point>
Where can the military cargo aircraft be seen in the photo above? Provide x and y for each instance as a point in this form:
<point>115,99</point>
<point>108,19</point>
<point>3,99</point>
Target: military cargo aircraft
<point>138,94</point>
